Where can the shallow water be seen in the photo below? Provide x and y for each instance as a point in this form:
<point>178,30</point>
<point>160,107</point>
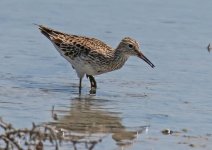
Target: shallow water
<point>132,105</point>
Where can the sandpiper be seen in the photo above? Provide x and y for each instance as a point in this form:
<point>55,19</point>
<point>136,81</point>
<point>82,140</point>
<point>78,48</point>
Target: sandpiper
<point>90,56</point>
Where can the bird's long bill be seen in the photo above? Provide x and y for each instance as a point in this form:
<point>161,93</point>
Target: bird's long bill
<point>140,55</point>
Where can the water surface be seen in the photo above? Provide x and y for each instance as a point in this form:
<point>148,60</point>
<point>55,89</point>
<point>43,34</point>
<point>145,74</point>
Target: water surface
<point>132,105</point>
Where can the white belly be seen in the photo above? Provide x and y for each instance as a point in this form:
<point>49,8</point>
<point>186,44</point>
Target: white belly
<point>79,65</point>
<point>82,66</point>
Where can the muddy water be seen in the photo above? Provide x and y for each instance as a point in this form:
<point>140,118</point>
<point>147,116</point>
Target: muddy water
<point>132,105</point>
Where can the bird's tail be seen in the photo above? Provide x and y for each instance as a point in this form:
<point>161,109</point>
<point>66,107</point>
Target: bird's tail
<point>48,32</point>
<point>51,34</point>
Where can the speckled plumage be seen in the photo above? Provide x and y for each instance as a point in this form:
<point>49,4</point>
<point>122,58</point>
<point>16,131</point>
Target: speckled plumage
<point>91,56</point>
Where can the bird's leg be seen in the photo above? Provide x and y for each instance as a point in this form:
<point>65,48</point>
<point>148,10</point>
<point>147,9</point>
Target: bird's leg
<point>80,86</point>
<point>93,84</point>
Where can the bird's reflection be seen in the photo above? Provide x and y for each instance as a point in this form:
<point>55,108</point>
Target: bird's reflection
<point>87,121</point>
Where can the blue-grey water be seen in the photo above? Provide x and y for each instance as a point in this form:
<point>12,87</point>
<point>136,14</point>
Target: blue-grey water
<point>133,105</point>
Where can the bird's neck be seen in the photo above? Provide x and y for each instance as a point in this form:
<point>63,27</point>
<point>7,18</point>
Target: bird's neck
<point>119,59</point>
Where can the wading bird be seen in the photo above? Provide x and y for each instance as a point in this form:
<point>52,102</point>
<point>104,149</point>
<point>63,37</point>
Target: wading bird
<point>90,56</point>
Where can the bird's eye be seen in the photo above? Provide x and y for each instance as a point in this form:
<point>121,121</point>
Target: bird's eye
<point>130,46</point>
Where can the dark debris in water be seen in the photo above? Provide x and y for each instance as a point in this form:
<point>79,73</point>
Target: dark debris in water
<point>167,131</point>
<point>209,47</point>
<point>186,139</point>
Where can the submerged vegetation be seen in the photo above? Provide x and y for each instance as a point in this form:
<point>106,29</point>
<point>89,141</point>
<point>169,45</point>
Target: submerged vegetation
<point>39,136</point>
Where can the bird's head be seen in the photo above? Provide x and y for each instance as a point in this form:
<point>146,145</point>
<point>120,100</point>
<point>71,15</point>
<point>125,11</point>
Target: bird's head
<point>130,47</point>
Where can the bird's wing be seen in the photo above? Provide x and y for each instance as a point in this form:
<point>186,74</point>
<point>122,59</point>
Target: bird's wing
<point>74,45</point>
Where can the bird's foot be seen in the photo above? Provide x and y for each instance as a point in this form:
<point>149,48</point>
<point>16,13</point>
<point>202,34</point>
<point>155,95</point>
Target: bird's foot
<point>93,91</point>
<point>93,84</point>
